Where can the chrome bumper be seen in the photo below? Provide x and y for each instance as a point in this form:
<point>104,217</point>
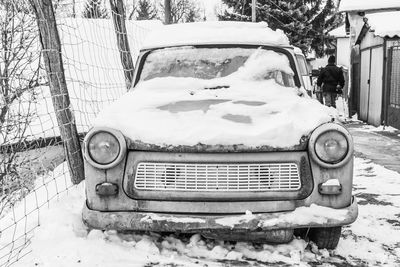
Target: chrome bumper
<point>303,217</point>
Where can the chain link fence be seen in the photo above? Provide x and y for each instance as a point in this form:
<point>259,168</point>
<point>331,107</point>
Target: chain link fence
<point>32,136</point>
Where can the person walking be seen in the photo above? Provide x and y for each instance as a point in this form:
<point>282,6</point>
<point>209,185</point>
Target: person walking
<point>332,81</point>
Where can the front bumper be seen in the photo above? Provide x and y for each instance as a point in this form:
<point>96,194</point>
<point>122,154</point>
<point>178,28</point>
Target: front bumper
<point>302,217</point>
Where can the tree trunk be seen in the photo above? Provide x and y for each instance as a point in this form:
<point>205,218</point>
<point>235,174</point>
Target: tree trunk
<point>167,11</point>
<point>51,46</point>
<point>118,14</point>
<point>253,10</point>
<point>73,9</point>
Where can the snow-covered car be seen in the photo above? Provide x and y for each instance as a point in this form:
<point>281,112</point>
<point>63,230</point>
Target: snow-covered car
<point>217,137</point>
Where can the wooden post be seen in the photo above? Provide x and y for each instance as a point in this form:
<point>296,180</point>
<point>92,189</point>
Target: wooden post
<point>167,11</point>
<point>51,52</point>
<point>118,14</point>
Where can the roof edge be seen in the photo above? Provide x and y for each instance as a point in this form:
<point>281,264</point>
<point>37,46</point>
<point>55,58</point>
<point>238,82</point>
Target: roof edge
<point>383,9</point>
<point>148,47</point>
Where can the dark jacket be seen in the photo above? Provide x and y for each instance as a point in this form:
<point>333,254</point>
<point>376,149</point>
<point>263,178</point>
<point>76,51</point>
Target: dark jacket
<point>330,77</point>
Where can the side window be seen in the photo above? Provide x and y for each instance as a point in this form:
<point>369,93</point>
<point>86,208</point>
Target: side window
<point>301,60</point>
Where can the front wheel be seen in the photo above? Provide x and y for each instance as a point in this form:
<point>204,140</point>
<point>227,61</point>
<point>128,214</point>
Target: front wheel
<point>325,237</point>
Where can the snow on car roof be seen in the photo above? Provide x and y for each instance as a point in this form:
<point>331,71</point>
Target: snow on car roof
<point>217,32</point>
<point>364,5</point>
<point>382,23</point>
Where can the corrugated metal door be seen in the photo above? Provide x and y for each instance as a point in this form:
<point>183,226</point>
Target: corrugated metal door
<point>394,87</point>
<point>375,87</point>
<point>364,83</point>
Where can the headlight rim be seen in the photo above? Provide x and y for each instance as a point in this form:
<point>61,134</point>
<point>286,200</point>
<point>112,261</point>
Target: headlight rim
<point>326,128</point>
<point>342,157</point>
<point>120,138</point>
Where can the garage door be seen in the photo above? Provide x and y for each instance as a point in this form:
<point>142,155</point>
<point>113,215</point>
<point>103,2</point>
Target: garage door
<point>364,83</point>
<point>371,81</point>
<point>394,87</point>
<point>376,86</point>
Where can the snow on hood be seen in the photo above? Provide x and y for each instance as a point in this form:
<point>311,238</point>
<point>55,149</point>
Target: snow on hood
<point>240,109</point>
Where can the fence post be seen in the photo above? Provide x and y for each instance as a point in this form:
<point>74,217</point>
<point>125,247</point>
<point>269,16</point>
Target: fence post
<point>118,14</point>
<point>51,51</point>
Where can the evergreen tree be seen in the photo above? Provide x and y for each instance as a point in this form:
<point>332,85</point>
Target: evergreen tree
<point>184,11</point>
<point>193,14</point>
<point>306,22</point>
<point>146,10</point>
<point>94,10</point>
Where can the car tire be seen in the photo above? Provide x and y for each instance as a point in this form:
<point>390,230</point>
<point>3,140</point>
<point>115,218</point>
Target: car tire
<point>325,237</point>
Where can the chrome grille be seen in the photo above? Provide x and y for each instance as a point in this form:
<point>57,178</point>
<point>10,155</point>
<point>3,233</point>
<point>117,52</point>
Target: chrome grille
<point>217,177</point>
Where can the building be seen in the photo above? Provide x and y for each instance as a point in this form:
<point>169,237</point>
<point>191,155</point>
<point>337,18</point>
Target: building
<point>342,45</point>
<point>374,38</point>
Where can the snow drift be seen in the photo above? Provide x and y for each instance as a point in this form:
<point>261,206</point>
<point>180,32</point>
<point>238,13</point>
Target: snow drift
<point>244,108</point>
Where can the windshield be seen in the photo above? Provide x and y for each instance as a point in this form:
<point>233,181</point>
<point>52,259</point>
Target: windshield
<point>210,63</point>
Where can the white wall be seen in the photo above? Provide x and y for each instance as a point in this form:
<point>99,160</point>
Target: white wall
<point>356,25</point>
<point>318,62</point>
<point>370,40</point>
<point>343,51</point>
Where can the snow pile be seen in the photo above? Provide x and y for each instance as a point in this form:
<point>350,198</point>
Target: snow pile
<point>221,32</point>
<point>261,62</point>
<point>308,215</point>
<point>373,239</point>
<point>301,216</point>
<point>382,23</point>
<point>359,5</point>
<point>235,220</point>
<point>18,222</point>
<point>240,108</point>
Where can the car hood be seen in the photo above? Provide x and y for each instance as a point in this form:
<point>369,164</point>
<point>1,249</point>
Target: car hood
<point>187,114</point>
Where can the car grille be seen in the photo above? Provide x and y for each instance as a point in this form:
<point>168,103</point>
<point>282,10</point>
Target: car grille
<point>217,177</point>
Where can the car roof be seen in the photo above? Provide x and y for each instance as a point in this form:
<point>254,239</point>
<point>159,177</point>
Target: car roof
<point>218,32</point>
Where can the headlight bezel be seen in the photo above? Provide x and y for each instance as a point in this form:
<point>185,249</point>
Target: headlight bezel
<point>325,128</point>
<point>118,136</point>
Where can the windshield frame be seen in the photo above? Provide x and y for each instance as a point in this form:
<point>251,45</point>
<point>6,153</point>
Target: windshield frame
<point>144,53</point>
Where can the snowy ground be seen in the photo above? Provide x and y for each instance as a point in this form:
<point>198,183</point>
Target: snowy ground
<point>373,240</point>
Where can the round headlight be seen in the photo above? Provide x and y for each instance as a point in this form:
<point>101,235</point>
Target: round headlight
<point>103,148</point>
<point>331,147</point>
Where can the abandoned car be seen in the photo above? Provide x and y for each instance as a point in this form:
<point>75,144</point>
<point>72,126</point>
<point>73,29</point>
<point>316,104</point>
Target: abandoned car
<point>218,136</point>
